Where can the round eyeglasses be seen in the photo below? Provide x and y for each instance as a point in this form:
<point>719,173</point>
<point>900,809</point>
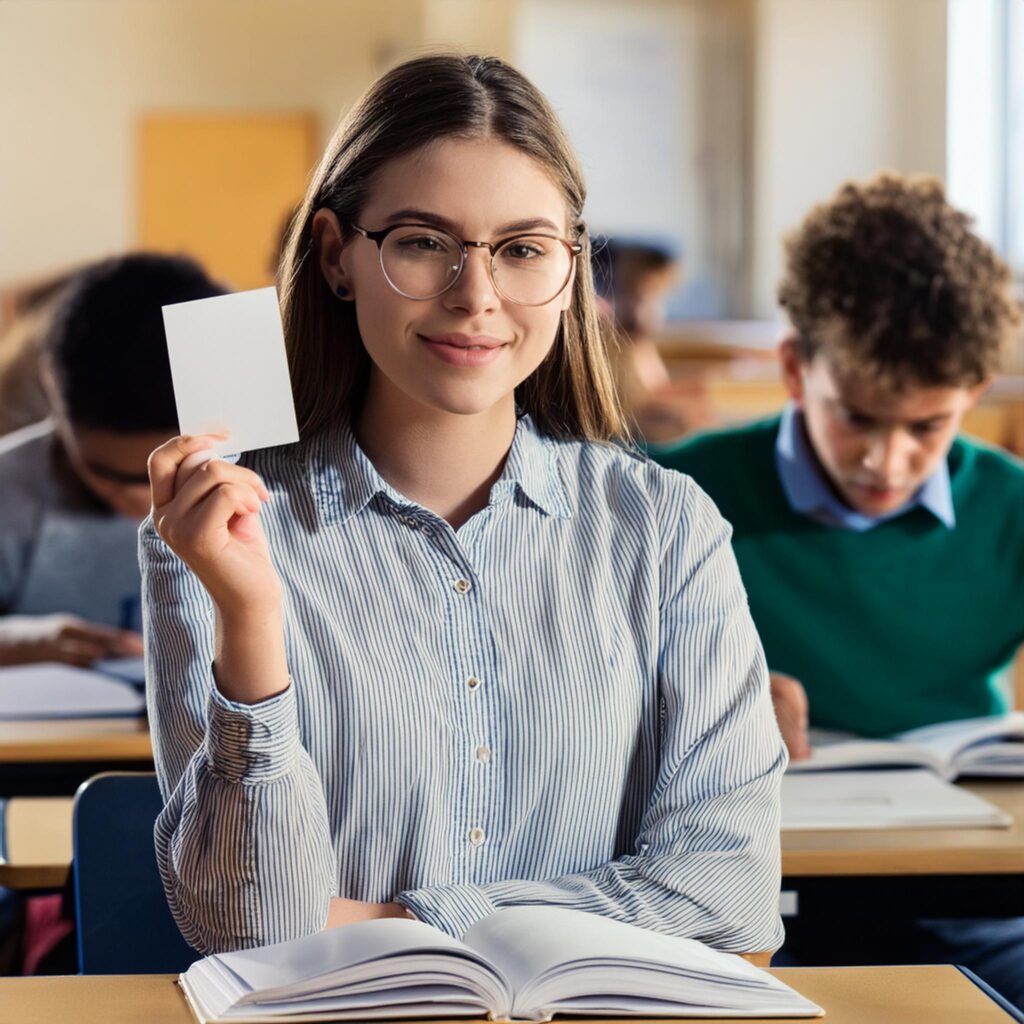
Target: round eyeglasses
<point>422,262</point>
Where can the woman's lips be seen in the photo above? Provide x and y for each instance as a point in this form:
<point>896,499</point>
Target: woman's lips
<point>463,350</point>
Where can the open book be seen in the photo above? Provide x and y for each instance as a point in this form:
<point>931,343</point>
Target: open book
<point>992,746</point>
<point>52,690</point>
<point>519,963</point>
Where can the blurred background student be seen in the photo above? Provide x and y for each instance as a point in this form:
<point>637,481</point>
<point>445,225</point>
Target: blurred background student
<point>74,485</point>
<point>883,554</point>
<point>634,279</point>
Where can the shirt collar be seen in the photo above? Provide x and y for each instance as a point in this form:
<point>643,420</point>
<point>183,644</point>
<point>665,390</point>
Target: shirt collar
<point>808,492</point>
<point>344,481</point>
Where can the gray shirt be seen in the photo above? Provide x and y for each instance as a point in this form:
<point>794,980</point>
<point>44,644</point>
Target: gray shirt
<point>61,550</point>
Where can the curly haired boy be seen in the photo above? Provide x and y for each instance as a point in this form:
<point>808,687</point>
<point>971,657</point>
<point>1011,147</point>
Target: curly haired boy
<point>883,553</point>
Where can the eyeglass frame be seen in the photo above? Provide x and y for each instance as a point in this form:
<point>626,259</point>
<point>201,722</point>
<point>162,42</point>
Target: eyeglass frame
<point>378,237</point>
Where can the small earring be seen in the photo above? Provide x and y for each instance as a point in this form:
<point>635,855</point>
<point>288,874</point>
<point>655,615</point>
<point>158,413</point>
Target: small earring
<point>341,291</point>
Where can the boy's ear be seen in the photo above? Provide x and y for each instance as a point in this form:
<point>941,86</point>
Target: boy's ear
<point>973,394</point>
<point>329,241</point>
<point>792,366</point>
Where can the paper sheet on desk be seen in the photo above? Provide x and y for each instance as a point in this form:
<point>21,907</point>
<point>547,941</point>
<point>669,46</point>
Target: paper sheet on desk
<point>230,370</point>
<point>904,798</point>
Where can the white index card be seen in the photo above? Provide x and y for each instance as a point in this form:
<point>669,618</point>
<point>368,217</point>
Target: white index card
<point>230,371</point>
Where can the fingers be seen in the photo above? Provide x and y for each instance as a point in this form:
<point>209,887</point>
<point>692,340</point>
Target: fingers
<point>80,640</point>
<point>791,712</point>
<point>210,473</point>
<point>202,529</point>
<point>130,645</point>
<point>176,521</point>
<point>165,460</point>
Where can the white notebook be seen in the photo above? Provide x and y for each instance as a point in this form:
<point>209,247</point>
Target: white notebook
<point>519,963</point>
<point>905,798</point>
<point>51,690</point>
<point>992,746</point>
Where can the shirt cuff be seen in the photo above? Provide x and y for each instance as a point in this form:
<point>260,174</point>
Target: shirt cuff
<point>252,744</point>
<point>451,908</point>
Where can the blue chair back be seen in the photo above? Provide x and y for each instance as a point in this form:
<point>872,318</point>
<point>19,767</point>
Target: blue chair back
<point>124,923</point>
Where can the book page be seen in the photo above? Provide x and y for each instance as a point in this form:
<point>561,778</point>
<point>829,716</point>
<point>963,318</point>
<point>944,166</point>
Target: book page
<point>63,691</point>
<point>905,798</point>
<point>288,963</point>
<point>845,750</point>
<point>388,962</point>
<point>552,956</point>
<point>973,742</point>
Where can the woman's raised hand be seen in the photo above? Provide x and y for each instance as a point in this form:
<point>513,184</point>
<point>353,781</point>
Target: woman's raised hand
<point>207,512</point>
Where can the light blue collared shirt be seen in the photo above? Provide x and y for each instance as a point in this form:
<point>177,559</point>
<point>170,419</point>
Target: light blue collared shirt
<point>563,702</point>
<point>809,493</point>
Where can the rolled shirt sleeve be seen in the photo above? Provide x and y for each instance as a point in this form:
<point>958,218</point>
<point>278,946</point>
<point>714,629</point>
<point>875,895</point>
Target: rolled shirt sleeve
<point>242,843</point>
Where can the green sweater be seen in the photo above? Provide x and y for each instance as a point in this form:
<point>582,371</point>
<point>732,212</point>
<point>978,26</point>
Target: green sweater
<point>903,625</point>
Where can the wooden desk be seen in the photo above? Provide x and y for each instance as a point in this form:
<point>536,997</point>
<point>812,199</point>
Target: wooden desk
<point>39,844</point>
<point>850,995</point>
<point>972,851</point>
<point>35,842</point>
<point>67,740</point>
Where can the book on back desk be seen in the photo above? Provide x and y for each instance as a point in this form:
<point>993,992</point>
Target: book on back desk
<point>524,963</point>
<point>991,747</point>
<point>52,690</point>
<point>903,781</point>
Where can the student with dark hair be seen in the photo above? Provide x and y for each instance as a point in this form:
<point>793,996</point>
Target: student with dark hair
<point>75,485</point>
<point>882,552</point>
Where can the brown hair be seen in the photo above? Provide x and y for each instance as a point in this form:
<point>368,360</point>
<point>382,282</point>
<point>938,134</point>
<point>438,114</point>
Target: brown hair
<point>571,394</point>
<point>888,278</point>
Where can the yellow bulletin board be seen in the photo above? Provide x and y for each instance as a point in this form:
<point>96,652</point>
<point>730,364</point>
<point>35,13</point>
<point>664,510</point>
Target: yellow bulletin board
<point>219,188</point>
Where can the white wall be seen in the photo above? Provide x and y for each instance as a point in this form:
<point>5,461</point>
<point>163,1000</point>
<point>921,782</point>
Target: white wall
<point>74,76</point>
<point>842,88</point>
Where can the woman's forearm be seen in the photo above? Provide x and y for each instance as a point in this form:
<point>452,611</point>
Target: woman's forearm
<point>249,656</point>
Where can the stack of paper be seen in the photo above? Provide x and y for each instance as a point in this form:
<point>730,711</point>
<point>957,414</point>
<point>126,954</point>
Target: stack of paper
<point>908,798</point>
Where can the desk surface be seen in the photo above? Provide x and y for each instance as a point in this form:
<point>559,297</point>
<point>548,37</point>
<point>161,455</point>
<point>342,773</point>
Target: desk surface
<point>67,740</point>
<point>850,995</point>
<point>970,851</point>
<point>38,844</point>
<point>35,852</point>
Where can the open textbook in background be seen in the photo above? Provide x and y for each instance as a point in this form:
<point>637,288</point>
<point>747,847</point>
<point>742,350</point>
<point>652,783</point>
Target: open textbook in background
<point>904,798</point>
<point>523,963</point>
<point>52,690</point>
<point>991,747</point>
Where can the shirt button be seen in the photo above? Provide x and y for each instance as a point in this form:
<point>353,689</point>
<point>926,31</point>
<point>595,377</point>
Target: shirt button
<point>476,836</point>
<point>472,682</point>
<point>462,586</point>
<point>483,754</point>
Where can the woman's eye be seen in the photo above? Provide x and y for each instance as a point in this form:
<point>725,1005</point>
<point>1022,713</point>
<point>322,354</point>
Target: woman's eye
<point>422,243</point>
<point>524,251</point>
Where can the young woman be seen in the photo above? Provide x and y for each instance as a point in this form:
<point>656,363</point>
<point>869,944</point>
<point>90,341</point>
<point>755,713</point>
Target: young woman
<point>456,649</point>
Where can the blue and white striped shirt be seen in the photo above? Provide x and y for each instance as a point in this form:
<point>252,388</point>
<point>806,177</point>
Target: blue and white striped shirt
<point>562,702</point>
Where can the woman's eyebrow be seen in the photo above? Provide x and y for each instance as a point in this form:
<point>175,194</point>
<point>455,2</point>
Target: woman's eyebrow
<point>436,220</point>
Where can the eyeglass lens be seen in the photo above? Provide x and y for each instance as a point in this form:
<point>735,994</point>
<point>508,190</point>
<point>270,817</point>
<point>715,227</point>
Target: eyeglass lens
<point>423,262</point>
